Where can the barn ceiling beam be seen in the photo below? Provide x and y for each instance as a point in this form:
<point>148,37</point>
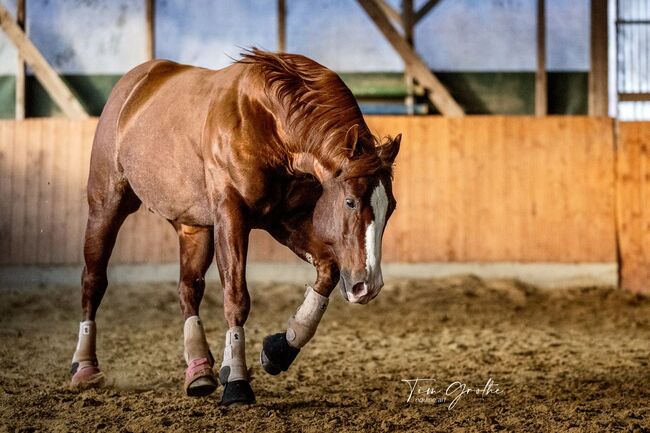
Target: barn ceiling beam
<point>48,77</point>
<point>391,12</point>
<point>150,14</point>
<point>20,71</point>
<point>598,73</point>
<point>282,25</point>
<point>425,9</point>
<point>397,18</point>
<point>415,66</point>
<point>541,80</point>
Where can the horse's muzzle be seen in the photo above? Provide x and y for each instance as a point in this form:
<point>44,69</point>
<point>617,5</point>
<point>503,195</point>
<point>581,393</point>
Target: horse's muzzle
<point>361,292</point>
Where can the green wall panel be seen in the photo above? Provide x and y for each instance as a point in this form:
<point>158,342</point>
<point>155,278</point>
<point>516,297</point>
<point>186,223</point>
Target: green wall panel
<point>7,96</point>
<point>477,92</point>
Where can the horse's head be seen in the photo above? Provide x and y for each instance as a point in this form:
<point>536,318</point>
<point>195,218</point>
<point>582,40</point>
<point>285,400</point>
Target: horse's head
<point>351,216</point>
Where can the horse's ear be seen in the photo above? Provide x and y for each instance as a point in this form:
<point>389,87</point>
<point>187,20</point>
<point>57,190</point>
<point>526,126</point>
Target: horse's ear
<point>351,139</point>
<point>388,152</point>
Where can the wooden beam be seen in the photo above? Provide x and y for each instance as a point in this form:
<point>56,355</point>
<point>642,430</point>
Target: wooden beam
<point>408,25</point>
<point>415,66</point>
<point>391,12</point>
<point>598,71</point>
<point>282,25</point>
<point>632,97</point>
<point>20,71</point>
<point>541,85</point>
<point>151,29</point>
<point>632,210</point>
<point>425,9</point>
<point>43,71</point>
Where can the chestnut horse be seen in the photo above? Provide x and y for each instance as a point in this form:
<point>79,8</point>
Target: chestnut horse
<point>274,142</point>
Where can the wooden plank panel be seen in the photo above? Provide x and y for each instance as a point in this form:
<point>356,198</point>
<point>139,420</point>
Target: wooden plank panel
<point>45,191</point>
<point>633,209</point>
<point>18,192</point>
<point>514,187</point>
<point>123,250</point>
<point>60,181</point>
<point>6,182</point>
<point>468,189</point>
<point>75,193</point>
<point>145,236</point>
<point>87,134</point>
<point>32,180</point>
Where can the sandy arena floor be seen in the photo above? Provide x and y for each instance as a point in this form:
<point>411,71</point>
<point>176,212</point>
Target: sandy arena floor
<point>574,359</point>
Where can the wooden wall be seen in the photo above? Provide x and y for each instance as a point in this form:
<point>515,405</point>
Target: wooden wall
<point>478,188</point>
<point>633,216</point>
<point>494,188</point>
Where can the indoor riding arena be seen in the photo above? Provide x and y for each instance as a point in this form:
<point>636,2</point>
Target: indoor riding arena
<point>516,264</point>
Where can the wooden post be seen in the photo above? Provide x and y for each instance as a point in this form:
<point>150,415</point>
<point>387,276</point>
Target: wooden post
<point>282,25</point>
<point>43,71</point>
<point>408,21</point>
<point>415,66</point>
<point>391,13</point>
<point>598,89</point>
<point>541,89</point>
<point>633,212</point>
<point>151,29</point>
<point>20,71</point>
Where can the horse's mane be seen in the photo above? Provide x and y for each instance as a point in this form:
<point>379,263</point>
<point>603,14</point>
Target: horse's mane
<point>319,109</point>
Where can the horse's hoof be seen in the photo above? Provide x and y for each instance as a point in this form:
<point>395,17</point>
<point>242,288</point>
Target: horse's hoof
<point>276,355</point>
<point>237,393</point>
<point>199,378</point>
<point>86,374</point>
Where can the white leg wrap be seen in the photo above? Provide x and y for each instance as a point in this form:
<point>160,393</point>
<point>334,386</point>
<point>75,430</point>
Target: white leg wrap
<point>234,356</point>
<point>194,341</point>
<point>86,343</point>
<point>302,325</point>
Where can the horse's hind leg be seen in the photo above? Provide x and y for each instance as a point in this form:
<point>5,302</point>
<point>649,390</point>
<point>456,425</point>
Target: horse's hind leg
<point>107,212</point>
<point>196,250</point>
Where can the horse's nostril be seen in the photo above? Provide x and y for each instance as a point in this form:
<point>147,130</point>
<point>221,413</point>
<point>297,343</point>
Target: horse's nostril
<point>359,289</point>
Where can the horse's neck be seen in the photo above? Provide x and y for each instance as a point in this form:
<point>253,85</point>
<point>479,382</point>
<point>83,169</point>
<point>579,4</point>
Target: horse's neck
<point>321,163</point>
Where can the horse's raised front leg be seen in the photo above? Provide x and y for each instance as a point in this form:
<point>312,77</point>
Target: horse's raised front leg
<point>107,212</point>
<point>196,252</point>
<point>280,350</point>
<point>231,245</point>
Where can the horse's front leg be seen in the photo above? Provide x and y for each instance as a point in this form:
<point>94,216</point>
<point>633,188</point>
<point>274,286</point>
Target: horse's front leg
<point>280,350</point>
<point>231,245</point>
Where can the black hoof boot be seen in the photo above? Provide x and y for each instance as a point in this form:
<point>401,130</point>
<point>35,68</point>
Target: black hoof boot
<point>237,393</point>
<point>277,355</point>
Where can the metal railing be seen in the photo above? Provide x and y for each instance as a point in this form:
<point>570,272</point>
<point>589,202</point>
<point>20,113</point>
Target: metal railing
<point>633,59</point>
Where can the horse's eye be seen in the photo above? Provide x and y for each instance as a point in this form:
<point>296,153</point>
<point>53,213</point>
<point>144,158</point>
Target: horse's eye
<point>350,203</point>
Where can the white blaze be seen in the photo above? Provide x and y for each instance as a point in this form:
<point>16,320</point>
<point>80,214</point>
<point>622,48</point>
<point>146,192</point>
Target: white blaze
<point>379,204</point>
